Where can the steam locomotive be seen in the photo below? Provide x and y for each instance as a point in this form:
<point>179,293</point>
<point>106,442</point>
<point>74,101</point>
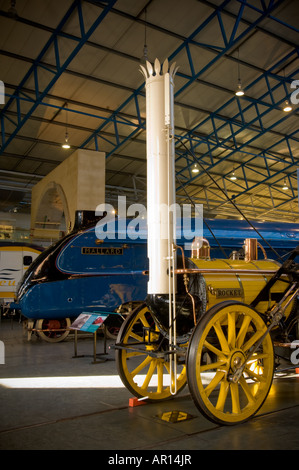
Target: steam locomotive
<point>211,323</point>
<point>225,331</point>
<point>81,272</point>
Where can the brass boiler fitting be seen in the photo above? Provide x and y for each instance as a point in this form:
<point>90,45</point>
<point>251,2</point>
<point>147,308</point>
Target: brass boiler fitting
<point>186,282</point>
<point>200,248</point>
<point>251,249</point>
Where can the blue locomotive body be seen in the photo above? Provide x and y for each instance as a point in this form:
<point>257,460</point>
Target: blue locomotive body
<point>81,272</point>
<point>230,234</point>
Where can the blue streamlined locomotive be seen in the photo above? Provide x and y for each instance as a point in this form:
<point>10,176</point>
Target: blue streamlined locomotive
<point>82,272</point>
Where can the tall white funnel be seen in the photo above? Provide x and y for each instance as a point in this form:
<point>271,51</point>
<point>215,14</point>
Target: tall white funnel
<point>160,174</point>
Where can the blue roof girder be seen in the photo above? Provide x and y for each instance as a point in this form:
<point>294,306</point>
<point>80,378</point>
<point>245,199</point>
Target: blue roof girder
<point>215,142</point>
<point>116,120</point>
<point>268,154</point>
<point>264,12</point>
<point>135,96</point>
<point>263,154</point>
<point>266,178</point>
<point>238,119</point>
<point>52,43</point>
<point>269,176</point>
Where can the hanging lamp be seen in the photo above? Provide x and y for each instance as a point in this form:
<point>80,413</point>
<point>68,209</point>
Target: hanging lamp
<point>239,91</point>
<point>66,144</point>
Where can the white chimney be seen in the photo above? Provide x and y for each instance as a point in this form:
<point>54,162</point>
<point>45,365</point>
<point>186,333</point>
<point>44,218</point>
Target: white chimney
<point>161,219</point>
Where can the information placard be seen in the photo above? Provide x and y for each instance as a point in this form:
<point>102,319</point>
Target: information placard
<point>88,322</point>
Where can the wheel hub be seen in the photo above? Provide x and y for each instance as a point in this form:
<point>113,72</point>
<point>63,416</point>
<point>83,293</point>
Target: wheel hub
<point>53,324</point>
<point>235,369</point>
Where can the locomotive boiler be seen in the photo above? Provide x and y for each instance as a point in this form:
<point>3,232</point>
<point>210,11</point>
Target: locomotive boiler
<point>211,323</point>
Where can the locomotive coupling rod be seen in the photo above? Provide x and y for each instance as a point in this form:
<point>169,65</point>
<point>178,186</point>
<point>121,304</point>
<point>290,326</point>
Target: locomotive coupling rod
<point>277,314</point>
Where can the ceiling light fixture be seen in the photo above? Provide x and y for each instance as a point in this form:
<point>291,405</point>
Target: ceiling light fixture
<point>239,91</point>
<point>66,144</point>
<point>287,107</point>
<point>233,176</point>
<point>195,169</point>
<point>285,186</point>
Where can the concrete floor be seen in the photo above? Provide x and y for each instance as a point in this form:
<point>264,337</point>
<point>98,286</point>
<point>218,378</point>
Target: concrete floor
<point>50,400</point>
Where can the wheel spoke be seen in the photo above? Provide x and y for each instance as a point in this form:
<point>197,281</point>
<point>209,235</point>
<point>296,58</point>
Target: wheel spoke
<point>160,376</point>
<point>247,390</point>
<point>144,321</point>
<point>149,374</point>
<point>214,383</point>
<point>255,337</point>
<point>135,336</point>
<point>255,376</point>
<point>141,366</point>
<point>243,331</point>
<point>212,365</point>
<point>214,350</point>
<point>222,339</point>
<point>234,390</point>
<point>231,335</point>
<point>224,388</point>
<point>257,357</point>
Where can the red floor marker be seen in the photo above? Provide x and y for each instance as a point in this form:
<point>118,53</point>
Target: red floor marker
<point>136,401</point>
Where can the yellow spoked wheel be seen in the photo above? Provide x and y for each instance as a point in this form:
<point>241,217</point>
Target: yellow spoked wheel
<point>142,363</point>
<point>227,380</point>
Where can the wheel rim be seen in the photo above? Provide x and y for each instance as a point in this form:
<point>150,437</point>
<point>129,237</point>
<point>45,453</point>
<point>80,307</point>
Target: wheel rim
<point>143,374</point>
<point>225,341</point>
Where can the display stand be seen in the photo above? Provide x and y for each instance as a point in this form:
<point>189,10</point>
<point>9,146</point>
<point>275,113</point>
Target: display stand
<point>90,323</point>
